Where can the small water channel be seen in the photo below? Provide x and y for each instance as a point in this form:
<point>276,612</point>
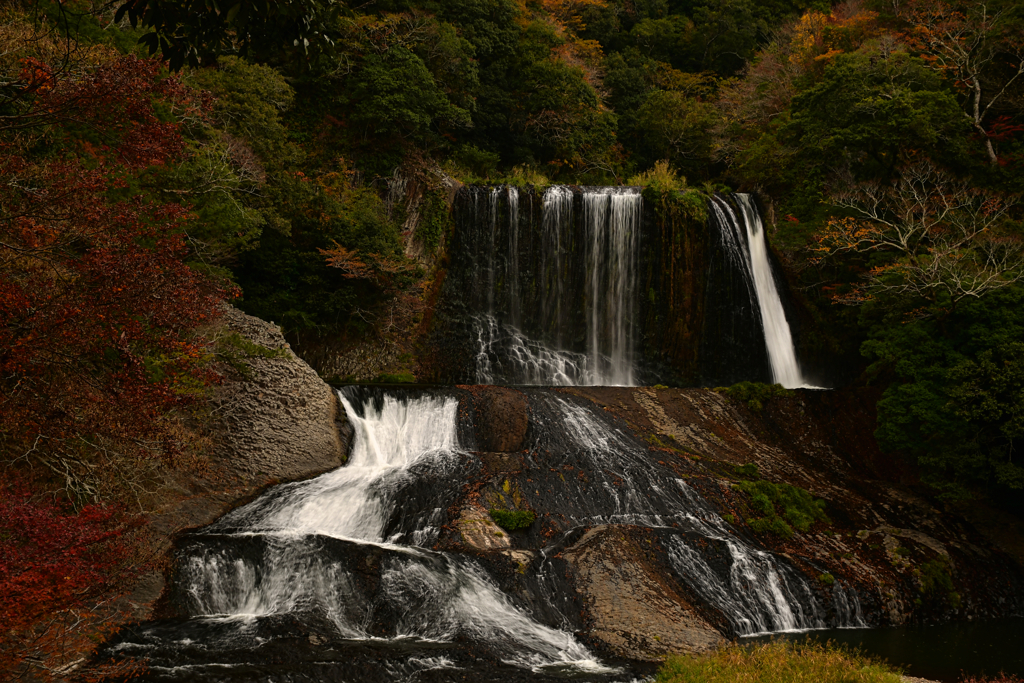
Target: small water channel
<point>940,653</point>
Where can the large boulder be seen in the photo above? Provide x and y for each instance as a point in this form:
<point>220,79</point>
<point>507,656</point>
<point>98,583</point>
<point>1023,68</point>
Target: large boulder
<point>502,416</point>
<point>632,597</point>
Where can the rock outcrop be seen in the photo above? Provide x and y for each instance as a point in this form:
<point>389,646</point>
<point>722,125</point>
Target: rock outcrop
<point>502,416</point>
<point>882,539</point>
<point>273,420</point>
<point>279,422</point>
<point>634,608</point>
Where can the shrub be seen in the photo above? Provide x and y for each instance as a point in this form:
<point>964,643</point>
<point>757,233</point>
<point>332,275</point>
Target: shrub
<point>512,520</point>
<point>662,178</point>
<point>777,662</point>
<point>936,583</point>
<point>527,176</point>
<point>754,394</point>
<point>783,507</point>
<point>827,579</point>
<point>748,471</point>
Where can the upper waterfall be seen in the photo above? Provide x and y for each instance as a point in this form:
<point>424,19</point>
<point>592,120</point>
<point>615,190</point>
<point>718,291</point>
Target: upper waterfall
<point>743,235</point>
<point>553,304</point>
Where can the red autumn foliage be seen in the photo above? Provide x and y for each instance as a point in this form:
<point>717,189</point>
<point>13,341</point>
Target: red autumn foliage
<point>97,308</point>
<point>98,339</point>
<point>54,565</point>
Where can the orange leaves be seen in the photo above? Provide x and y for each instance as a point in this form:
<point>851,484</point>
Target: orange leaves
<point>568,13</point>
<point>377,268</point>
<point>37,76</point>
<point>818,37</point>
<point>347,260</point>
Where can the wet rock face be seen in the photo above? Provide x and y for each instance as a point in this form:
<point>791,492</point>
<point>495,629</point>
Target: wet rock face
<point>635,609</point>
<point>502,416</point>
<point>278,421</point>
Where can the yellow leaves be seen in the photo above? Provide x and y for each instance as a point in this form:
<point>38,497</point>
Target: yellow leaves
<point>818,37</point>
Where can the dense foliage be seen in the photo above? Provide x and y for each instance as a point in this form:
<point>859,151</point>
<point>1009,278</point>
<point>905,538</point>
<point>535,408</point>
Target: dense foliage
<point>100,356</point>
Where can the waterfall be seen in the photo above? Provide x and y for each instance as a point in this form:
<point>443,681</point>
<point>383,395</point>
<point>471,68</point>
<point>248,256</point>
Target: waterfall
<point>552,297</point>
<point>743,236</point>
<point>757,593</point>
<point>341,577</point>
<point>613,229</point>
<point>290,551</point>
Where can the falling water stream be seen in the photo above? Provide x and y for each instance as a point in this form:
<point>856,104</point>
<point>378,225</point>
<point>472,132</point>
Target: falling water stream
<point>347,576</point>
<point>336,577</point>
<point>743,235</point>
<point>581,275</point>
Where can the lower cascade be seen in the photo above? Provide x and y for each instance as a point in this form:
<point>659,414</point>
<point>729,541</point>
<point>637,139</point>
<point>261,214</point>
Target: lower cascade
<point>356,575</point>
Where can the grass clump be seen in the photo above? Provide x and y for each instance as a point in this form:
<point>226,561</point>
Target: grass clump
<point>777,662</point>
<point>396,378</point>
<point>512,520</point>
<point>754,394</point>
<point>783,508</point>
<point>527,176</point>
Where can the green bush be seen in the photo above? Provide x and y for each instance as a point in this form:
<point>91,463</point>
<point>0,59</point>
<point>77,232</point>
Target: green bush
<point>512,520</point>
<point>748,471</point>
<point>754,394</point>
<point>777,662</point>
<point>936,583</point>
<point>827,579</point>
<point>783,508</point>
<point>662,178</point>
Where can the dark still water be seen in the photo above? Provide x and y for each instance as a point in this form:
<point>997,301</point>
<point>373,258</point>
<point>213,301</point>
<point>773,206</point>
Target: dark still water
<point>940,653</point>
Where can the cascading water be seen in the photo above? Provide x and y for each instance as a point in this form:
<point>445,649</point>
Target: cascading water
<point>756,593</point>
<point>552,304</point>
<point>743,236</point>
<point>338,577</point>
<point>294,553</point>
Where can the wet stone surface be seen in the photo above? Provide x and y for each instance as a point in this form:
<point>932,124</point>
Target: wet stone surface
<point>392,568</point>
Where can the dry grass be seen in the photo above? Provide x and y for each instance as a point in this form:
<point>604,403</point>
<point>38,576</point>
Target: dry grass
<point>777,662</point>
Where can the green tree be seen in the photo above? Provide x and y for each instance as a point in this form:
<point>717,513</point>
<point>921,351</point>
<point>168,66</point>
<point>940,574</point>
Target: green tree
<point>870,106</point>
<point>954,407</point>
<point>194,32</point>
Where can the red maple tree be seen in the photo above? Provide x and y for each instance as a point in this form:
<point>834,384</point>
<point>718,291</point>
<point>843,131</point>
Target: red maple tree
<point>99,342</point>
